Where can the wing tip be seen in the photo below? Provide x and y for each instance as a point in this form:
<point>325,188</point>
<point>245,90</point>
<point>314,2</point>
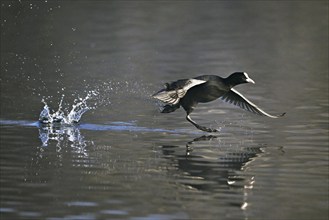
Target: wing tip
<point>281,115</point>
<point>156,95</point>
<point>278,116</point>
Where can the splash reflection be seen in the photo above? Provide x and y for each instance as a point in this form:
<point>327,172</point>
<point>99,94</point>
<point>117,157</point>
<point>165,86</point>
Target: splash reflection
<point>64,135</point>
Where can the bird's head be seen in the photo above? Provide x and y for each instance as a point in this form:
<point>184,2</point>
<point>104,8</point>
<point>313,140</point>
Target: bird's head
<point>239,78</point>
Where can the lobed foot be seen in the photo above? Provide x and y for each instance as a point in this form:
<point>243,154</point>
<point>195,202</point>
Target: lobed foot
<point>202,128</point>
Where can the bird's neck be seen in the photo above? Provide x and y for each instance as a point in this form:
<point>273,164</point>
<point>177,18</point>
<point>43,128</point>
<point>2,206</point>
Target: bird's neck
<point>231,81</point>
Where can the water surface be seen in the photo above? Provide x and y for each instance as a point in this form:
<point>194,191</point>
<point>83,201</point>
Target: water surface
<point>124,159</point>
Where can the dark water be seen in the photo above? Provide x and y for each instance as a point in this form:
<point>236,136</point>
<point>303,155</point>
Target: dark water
<point>125,160</point>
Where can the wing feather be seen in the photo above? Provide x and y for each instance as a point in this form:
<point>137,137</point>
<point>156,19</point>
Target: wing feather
<point>236,98</point>
<point>177,90</point>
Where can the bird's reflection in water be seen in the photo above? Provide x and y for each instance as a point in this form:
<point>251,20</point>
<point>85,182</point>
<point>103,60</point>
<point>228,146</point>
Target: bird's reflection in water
<point>209,165</point>
<point>64,136</point>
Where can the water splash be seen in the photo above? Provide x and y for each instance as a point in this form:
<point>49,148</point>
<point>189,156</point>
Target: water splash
<point>64,116</point>
<point>59,125</point>
<point>80,107</point>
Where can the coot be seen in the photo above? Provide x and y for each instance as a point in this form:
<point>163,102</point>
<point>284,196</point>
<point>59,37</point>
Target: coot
<point>206,88</point>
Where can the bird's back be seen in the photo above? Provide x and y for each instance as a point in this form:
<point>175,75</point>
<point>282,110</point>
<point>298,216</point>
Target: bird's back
<point>209,91</point>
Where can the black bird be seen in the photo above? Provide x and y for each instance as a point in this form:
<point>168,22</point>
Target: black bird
<point>189,92</point>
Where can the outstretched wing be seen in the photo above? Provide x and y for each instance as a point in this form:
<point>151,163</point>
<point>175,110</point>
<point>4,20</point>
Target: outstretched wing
<point>176,90</point>
<point>235,98</point>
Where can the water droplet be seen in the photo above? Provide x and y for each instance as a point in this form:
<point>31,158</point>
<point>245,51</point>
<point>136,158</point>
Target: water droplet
<point>79,107</point>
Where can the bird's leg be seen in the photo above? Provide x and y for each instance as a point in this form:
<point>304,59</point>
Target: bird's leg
<point>202,128</point>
